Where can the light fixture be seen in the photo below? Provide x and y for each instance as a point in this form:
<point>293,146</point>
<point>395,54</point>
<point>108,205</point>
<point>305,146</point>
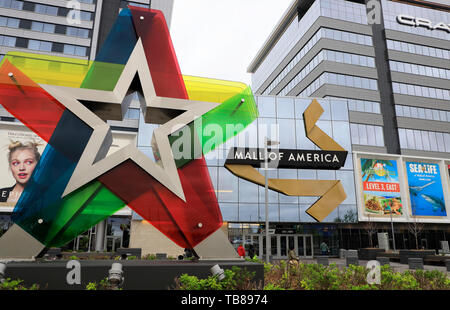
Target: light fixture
<point>115,276</point>
<point>2,272</point>
<point>218,272</point>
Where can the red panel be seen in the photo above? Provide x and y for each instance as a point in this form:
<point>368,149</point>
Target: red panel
<point>169,214</point>
<point>152,29</point>
<point>42,112</point>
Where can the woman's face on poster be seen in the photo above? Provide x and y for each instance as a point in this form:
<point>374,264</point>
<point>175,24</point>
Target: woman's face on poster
<point>22,165</point>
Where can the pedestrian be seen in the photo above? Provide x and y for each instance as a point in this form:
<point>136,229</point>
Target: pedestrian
<point>251,250</point>
<point>324,248</point>
<point>241,251</point>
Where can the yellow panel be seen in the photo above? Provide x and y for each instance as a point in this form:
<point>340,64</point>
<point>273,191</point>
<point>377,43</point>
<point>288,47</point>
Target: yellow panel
<point>211,90</point>
<point>51,70</point>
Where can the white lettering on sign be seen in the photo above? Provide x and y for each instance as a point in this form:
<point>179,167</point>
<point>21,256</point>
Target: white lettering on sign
<point>424,168</point>
<point>422,22</point>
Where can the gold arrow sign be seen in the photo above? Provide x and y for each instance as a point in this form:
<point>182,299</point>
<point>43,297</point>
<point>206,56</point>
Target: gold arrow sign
<point>331,191</point>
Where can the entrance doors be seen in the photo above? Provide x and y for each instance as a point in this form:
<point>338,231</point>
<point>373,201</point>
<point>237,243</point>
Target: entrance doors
<point>281,244</point>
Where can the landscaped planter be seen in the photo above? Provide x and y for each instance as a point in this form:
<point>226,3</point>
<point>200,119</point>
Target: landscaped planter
<point>405,254</point>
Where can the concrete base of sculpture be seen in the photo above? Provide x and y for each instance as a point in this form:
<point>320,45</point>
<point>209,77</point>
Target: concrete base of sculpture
<point>17,244</point>
<point>138,274</point>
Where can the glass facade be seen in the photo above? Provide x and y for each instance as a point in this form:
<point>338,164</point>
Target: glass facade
<point>328,55</point>
<point>344,10</point>
<point>293,33</point>
<point>281,119</point>
<point>421,91</point>
<point>341,80</point>
<point>416,69</point>
<point>424,140</point>
<point>327,34</point>
<point>421,113</point>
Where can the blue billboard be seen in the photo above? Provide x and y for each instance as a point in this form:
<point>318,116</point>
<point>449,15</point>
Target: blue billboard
<point>425,189</point>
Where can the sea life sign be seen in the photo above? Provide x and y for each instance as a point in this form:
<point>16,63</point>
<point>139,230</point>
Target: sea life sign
<point>425,189</point>
<point>381,188</point>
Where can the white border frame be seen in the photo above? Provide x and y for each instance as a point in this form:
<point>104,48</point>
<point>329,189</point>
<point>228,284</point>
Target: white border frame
<point>404,191</point>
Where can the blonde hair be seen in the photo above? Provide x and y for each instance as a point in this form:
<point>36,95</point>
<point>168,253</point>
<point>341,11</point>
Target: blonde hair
<point>30,145</point>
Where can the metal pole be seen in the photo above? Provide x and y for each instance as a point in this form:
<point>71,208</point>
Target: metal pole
<point>267,200</point>
<point>393,235</point>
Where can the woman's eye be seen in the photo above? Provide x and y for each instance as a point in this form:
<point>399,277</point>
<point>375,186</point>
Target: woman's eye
<point>29,162</point>
<point>15,163</point>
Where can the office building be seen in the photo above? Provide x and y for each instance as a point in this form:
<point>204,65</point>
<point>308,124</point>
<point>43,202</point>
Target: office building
<point>392,65</point>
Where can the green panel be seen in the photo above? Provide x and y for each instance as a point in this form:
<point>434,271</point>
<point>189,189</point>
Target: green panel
<point>102,76</point>
<point>215,127</point>
<point>69,207</point>
<point>102,205</point>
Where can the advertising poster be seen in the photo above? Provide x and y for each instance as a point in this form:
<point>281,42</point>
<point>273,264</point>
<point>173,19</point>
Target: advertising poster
<point>425,189</point>
<point>20,151</point>
<point>381,188</point>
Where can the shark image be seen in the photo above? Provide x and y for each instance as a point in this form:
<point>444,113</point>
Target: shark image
<point>434,201</point>
<point>414,190</point>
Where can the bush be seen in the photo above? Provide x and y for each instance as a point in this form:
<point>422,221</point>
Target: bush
<point>16,285</point>
<point>150,257</point>
<point>103,285</point>
<point>235,279</point>
<point>285,276</point>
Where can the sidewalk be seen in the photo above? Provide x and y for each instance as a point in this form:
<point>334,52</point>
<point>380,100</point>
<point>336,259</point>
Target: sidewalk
<point>395,266</point>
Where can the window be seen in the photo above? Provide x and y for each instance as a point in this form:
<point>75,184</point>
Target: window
<point>40,45</point>
<point>49,28</point>
<point>69,49</point>
<point>86,15</point>
<point>37,26</point>
<point>9,41</point>
<point>34,45</point>
<point>80,51</point>
<point>13,23</point>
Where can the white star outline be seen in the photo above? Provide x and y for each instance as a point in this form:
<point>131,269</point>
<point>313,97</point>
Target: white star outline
<point>93,162</point>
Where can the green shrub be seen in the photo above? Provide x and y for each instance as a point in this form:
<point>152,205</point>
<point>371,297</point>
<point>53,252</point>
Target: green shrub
<point>16,285</point>
<point>301,276</point>
<point>235,279</point>
<point>150,257</point>
<point>103,285</point>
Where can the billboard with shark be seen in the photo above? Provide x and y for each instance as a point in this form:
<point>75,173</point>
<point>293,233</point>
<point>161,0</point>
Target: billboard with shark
<point>425,189</point>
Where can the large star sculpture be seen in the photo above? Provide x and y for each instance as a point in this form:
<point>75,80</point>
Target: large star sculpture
<point>93,163</point>
<point>75,184</point>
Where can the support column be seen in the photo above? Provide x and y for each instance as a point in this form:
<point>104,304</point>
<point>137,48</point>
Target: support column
<point>100,236</point>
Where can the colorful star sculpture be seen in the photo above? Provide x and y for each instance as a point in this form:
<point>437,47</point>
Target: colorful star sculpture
<point>66,102</point>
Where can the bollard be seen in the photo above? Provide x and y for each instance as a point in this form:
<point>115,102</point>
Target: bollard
<point>383,260</point>
<point>323,261</point>
<point>352,260</point>
<point>415,263</point>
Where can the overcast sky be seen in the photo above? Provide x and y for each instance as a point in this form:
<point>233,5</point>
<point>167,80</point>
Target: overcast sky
<point>219,38</point>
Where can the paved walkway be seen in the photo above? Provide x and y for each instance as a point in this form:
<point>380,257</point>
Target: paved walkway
<point>395,266</point>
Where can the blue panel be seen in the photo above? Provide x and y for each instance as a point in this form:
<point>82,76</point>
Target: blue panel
<point>40,198</point>
<point>39,204</point>
<point>120,42</point>
<point>71,136</point>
